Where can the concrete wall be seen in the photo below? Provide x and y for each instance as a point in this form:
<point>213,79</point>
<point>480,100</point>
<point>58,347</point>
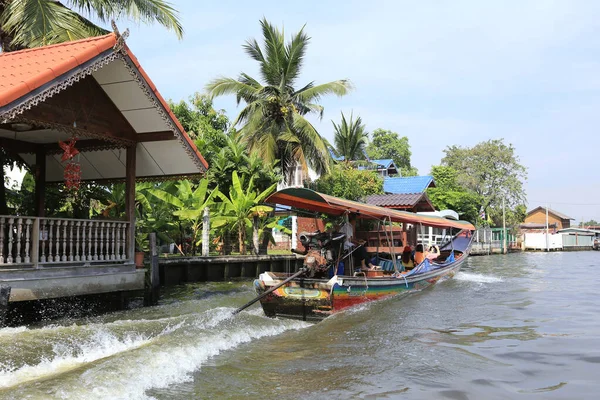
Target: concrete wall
<point>179,270</point>
<point>49,283</point>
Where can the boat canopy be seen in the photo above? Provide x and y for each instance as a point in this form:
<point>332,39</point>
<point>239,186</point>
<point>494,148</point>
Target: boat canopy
<point>314,201</point>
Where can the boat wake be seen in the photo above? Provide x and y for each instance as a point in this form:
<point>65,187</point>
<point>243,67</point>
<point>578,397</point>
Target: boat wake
<point>124,359</point>
<point>477,278</point>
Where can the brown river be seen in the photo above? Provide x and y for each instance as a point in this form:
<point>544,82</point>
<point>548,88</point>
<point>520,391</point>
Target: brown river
<point>519,326</point>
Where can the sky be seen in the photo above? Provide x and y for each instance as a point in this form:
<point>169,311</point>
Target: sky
<point>441,73</point>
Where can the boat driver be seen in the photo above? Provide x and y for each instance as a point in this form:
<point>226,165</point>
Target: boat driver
<point>357,247</point>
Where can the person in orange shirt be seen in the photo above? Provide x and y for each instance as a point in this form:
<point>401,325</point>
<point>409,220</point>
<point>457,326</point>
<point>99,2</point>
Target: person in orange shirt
<point>419,254</point>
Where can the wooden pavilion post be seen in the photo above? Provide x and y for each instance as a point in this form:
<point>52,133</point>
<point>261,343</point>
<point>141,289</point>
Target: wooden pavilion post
<point>40,183</point>
<point>130,199</point>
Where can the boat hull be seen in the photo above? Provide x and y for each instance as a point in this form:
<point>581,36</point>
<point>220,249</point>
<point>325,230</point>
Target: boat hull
<point>313,299</point>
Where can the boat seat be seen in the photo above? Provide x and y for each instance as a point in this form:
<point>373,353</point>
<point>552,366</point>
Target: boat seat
<point>388,265</point>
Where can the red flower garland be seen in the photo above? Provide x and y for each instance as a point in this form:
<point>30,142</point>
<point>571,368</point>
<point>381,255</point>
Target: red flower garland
<point>72,173</point>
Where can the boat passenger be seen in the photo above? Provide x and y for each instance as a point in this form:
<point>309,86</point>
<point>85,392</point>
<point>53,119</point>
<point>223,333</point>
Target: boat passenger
<point>407,258</point>
<point>363,257</point>
<point>359,253</point>
<point>419,254</point>
<point>433,252</point>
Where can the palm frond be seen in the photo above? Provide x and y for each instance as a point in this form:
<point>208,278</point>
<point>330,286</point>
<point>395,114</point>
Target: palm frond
<point>35,23</point>
<point>252,48</point>
<point>315,149</point>
<point>221,86</point>
<point>294,56</point>
<point>148,11</point>
<point>340,88</point>
<point>272,70</point>
<point>350,138</point>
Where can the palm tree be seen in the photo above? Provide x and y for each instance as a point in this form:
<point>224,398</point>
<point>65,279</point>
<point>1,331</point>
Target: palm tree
<point>32,23</point>
<point>350,138</point>
<point>273,118</point>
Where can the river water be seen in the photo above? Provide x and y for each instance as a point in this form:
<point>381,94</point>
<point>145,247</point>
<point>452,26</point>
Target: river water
<point>519,326</point>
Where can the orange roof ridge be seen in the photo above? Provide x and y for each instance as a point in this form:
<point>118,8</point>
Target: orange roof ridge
<point>53,46</point>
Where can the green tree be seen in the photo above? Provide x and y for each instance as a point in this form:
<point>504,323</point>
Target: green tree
<point>349,183</point>
<point>273,119</point>
<point>205,125</point>
<point>233,157</point>
<point>241,209</point>
<point>387,144</point>
<point>491,170</point>
<point>350,139</point>
<point>591,222</point>
<point>448,194</point>
<point>32,23</point>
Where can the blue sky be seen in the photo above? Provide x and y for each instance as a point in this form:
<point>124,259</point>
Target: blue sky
<point>439,72</point>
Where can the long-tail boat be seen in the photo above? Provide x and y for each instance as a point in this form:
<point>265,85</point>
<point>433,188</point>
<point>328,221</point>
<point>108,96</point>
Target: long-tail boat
<point>311,294</point>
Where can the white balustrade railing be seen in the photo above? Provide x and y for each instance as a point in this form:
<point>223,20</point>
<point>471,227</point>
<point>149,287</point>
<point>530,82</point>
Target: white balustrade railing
<point>47,241</point>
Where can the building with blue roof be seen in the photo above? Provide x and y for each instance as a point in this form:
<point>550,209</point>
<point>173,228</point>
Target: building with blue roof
<point>407,184</point>
<point>385,167</point>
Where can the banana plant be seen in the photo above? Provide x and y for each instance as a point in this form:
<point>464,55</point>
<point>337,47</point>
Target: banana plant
<point>239,209</point>
<point>190,203</point>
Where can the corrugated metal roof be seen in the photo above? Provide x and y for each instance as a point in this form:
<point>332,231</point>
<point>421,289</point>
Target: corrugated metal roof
<point>385,163</point>
<point>397,200</point>
<point>550,211</point>
<point>406,185</point>
<point>336,158</point>
<point>585,232</point>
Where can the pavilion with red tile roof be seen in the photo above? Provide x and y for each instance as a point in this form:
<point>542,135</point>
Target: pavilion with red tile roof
<point>96,91</point>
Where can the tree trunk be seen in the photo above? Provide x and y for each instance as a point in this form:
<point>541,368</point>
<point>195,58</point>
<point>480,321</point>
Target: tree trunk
<point>206,233</point>
<point>264,246</point>
<point>226,243</point>
<point>242,238</point>
<point>255,238</point>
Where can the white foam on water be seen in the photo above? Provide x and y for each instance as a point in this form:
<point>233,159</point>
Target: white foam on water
<point>173,360</point>
<point>12,331</point>
<point>478,278</point>
<point>68,356</point>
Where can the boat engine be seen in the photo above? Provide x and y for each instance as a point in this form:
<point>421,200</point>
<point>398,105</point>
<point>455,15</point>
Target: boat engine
<point>321,250</point>
<point>316,265</point>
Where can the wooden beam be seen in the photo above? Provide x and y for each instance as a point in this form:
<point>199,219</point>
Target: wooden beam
<point>130,199</point>
<point>40,183</point>
<point>19,146</point>
<point>86,108</point>
<point>155,136</point>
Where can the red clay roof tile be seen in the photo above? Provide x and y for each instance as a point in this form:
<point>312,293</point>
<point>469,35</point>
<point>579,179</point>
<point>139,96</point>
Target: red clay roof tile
<point>33,68</point>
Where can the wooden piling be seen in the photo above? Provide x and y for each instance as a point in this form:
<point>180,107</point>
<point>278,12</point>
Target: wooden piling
<point>153,284</point>
<point>4,297</point>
